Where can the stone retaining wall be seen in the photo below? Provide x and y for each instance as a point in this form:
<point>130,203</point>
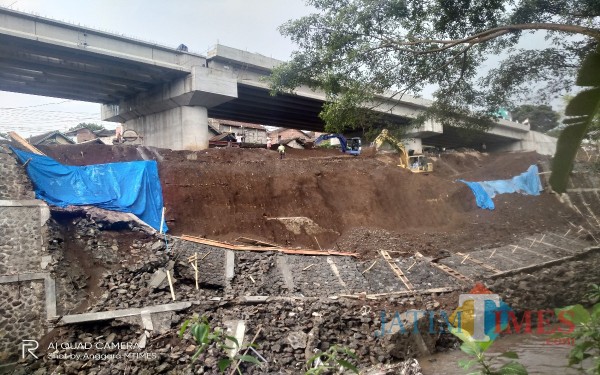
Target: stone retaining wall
<point>22,316</point>
<point>20,239</point>
<point>14,183</point>
<point>23,312</point>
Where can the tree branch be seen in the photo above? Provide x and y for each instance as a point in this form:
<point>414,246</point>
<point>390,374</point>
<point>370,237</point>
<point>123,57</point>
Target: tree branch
<point>501,30</point>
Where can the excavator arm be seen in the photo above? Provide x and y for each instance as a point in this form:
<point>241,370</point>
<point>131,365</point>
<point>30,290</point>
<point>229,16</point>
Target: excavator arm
<point>341,138</point>
<point>386,137</point>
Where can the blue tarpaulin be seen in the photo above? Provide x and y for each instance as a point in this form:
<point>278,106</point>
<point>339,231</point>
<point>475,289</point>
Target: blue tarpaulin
<point>526,183</point>
<point>132,187</point>
<point>482,198</point>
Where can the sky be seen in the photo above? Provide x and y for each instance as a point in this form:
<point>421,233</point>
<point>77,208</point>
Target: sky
<point>199,24</point>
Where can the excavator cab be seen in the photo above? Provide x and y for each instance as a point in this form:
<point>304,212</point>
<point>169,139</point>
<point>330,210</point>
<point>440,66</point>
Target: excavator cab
<point>416,163</point>
<point>354,146</point>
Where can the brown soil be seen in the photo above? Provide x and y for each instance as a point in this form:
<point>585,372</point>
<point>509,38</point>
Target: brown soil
<point>362,203</point>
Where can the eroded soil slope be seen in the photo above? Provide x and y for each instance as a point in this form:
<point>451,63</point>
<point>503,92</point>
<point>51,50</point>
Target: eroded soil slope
<point>322,198</point>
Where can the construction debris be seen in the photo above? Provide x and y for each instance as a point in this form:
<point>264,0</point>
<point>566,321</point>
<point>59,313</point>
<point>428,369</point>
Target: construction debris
<point>225,245</point>
<point>23,143</point>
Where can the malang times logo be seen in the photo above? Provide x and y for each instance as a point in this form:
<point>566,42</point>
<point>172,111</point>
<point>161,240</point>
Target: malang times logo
<point>485,317</point>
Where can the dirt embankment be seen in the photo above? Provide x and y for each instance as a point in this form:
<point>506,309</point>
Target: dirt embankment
<point>323,198</point>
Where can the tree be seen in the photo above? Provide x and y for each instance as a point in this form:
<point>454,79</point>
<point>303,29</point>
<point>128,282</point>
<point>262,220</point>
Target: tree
<point>583,111</point>
<point>541,117</point>
<point>91,126</point>
<point>354,50</point>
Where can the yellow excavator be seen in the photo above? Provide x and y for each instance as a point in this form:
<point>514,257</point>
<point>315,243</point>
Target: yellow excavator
<point>415,163</point>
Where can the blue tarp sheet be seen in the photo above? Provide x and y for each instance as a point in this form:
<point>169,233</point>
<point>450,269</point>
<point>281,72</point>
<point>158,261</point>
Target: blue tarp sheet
<point>132,187</point>
<point>526,183</point>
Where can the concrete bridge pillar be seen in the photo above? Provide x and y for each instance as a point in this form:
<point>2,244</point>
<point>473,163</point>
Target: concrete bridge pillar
<point>180,128</point>
<point>174,115</point>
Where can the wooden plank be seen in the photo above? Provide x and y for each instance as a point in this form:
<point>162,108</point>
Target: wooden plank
<point>283,250</point>
<point>396,269</point>
<point>403,293</point>
<point>252,241</point>
<point>171,285</point>
<point>21,141</point>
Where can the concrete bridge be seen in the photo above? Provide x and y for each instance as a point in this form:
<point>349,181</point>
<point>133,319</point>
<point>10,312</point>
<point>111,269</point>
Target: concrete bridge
<point>167,94</point>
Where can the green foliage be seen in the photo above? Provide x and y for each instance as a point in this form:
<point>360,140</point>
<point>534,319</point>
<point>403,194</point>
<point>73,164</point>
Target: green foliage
<point>485,365</point>
<point>541,117</point>
<point>593,295</point>
<point>91,126</point>
<point>204,337</point>
<point>358,50</point>
<point>336,359</point>
<point>583,110</point>
<point>3,135</point>
<point>586,333</point>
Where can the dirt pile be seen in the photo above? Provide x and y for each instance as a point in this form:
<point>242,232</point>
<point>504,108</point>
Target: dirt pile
<point>335,199</point>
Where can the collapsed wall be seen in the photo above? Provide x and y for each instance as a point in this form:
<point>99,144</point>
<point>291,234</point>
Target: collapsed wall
<point>294,299</point>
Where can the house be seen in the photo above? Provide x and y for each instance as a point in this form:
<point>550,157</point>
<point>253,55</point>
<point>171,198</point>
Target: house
<point>300,143</point>
<point>244,132</point>
<point>284,136</point>
<point>85,134</point>
<point>50,138</point>
<point>106,136</point>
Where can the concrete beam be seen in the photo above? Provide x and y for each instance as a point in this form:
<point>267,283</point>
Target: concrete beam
<point>61,34</point>
<point>236,56</point>
<point>107,81</point>
<point>44,209</point>
<point>73,60</point>
<point>36,81</point>
<point>428,129</point>
<point>49,288</point>
<point>203,87</point>
<point>229,268</point>
<point>23,203</point>
<point>237,329</point>
<point>283,267</point>
<point>52,92</point>
<point>108,315</point>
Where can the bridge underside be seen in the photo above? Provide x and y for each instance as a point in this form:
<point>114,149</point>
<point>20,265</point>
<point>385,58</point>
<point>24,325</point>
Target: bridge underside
<point>36,68</point>
<point>256,105</point>
<point>457,137</point>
